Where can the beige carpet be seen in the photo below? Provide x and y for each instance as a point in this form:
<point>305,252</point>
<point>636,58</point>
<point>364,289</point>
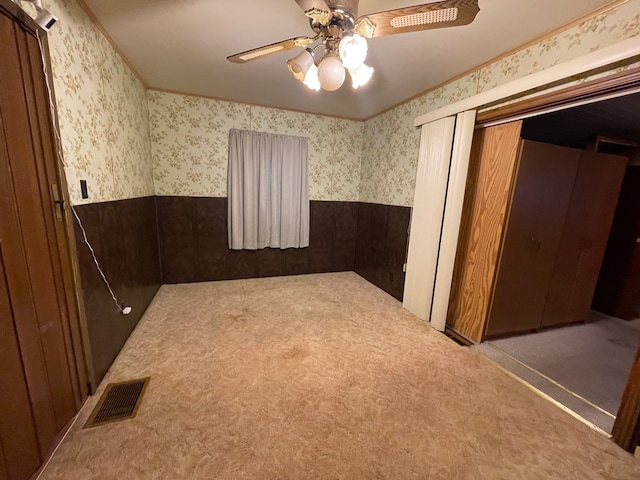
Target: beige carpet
<point>321,376</point>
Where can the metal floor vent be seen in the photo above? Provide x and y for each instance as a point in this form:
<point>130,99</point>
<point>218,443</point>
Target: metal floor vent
<point>119,401</point>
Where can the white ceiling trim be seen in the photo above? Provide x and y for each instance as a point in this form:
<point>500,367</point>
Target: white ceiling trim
<point>591,61</point>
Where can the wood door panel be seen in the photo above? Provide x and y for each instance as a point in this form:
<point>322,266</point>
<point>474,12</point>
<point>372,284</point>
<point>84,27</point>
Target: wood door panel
<point>556,311</point>
<point>20,290</point>
<point>41,121</point>
<point>18,442</point>
<point>42,253</point>
<point>605,182</point>
<point>564,292</point>
<point>607,175</point>
<point>61,233</point>
<point>560,166</point>
<point>37,310</point>
<point>618,289</point>
<point>511,287</point>
<point>584,286</point>
<point>492,165</point>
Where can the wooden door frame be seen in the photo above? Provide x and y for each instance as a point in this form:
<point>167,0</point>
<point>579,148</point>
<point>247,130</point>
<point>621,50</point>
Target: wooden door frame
<point>82,374</point>
<point>621,83</point>
<point>627,424</point>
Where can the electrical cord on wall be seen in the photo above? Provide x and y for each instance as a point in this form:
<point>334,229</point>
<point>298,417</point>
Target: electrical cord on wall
<point>124,310</point>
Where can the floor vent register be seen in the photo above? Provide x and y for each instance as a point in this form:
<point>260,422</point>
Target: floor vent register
<point>120,401</point>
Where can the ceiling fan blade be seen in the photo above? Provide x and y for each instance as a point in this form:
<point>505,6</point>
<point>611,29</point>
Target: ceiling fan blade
<point>316,10</point>
<point>272,49</point>
<point>449,13</point>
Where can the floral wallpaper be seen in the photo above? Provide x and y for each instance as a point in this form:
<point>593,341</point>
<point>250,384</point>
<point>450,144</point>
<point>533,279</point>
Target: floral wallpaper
<point>391,143</point>
<point>626,66</point>
<point>593,34</point>
<point>127,142</point>
<point>102,110</point>
<point>190,145</point>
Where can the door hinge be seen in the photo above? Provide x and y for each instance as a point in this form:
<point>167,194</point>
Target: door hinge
<point>58,201</point>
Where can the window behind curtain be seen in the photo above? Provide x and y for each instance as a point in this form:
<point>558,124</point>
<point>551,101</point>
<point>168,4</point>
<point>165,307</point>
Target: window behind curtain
<point>268,191</point>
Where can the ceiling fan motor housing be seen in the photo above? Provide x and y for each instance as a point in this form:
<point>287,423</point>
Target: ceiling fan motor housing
<point>345,13</point>
<point>343,20</point>
<point>347,5</point>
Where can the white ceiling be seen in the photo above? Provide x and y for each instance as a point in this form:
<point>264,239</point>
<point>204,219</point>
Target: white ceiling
<point>182,45</point>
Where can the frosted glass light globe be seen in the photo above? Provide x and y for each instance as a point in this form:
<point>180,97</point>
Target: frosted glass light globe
<point>353,51</point>
<point>300,65</point>
<point>311,78</point>
<point>360,75</point>
<point>331,73</point>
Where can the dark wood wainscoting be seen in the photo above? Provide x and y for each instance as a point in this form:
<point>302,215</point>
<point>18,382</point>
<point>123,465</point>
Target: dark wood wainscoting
<point>123,235</point>
<point>191,246</point>
<point>194,245</point>
<point>381,248</point>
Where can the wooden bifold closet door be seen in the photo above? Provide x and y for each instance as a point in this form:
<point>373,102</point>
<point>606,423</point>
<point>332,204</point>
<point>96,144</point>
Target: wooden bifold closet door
<point>40,378</point>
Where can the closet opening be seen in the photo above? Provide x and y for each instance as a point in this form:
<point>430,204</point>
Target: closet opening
<point>547,277</point>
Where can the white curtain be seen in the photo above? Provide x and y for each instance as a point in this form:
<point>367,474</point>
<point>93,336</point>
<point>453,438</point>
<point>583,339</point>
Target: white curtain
<point>268,191</point>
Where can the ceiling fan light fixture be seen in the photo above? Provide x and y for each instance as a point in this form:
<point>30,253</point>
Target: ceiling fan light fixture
<point>360,75</point>
<point>343,34</point>
<point>353,51</point>
<point>301,64</point>
<point>331,73</point>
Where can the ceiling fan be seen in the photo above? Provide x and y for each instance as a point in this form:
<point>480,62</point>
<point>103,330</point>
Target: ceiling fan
<point>342,34</point>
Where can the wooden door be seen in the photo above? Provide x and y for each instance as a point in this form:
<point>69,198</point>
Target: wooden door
<point>539,206</point>
<point>618,289</point>
<point>42,370</point>
<point>493,161</point>
<point>19,454</point>
<point>584,238</point>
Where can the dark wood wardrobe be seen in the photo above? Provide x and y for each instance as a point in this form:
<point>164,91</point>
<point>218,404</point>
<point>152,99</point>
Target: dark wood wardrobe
<point>561,212</point>
<point>534,232</point>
